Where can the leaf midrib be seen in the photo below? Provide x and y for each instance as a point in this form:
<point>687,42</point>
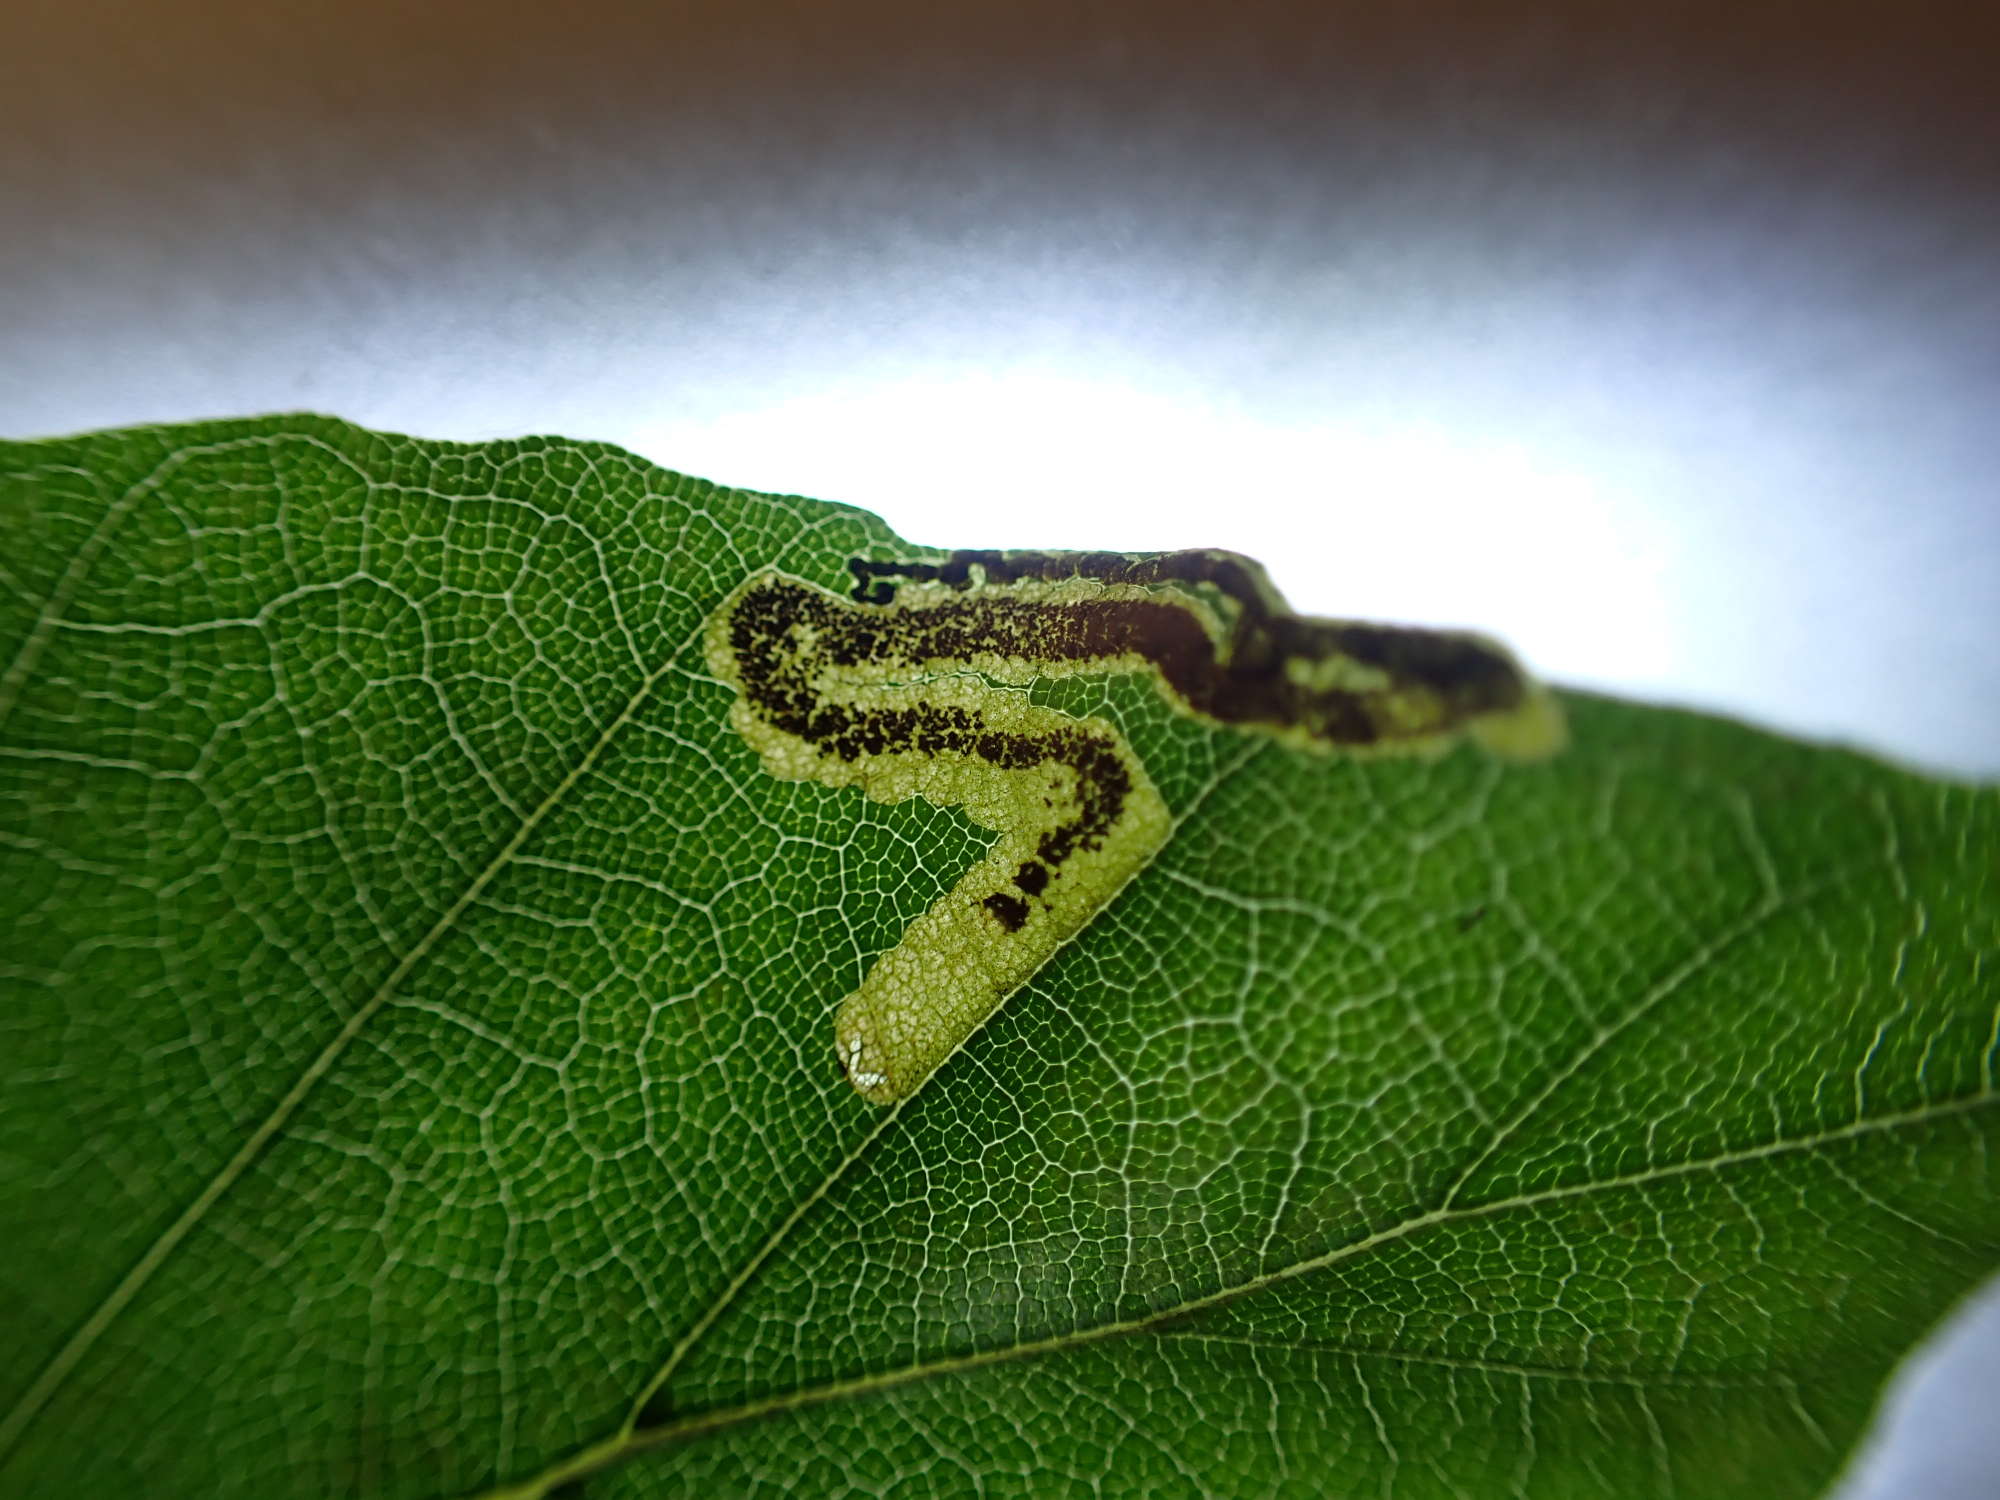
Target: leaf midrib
<point>631,1438</point>
<point>628,1443</point>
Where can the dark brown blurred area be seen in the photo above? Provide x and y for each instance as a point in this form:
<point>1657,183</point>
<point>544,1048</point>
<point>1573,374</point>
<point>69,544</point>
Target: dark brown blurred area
<point>119,113</point>
<point>174,81</point>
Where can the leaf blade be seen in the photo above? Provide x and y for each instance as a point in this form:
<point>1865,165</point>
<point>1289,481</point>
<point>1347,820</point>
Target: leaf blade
<point>277,763</point>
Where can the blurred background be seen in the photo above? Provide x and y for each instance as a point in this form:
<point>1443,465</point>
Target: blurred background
<point>1663,341</point>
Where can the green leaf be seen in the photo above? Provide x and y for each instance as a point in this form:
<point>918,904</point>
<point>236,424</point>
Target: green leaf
<point>416,1045</point>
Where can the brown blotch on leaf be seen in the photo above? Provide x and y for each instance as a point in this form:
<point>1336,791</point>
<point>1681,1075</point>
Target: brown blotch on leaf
<point>1011,912</point>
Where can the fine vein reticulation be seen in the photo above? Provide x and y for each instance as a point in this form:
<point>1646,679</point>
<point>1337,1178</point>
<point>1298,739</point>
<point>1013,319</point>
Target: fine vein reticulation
<point>913,687</point>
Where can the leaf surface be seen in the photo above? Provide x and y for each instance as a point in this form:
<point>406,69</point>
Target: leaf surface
<point>417,1072</point>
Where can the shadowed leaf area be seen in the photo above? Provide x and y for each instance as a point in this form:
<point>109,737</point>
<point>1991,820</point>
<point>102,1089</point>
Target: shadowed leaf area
<point>418,1069</point>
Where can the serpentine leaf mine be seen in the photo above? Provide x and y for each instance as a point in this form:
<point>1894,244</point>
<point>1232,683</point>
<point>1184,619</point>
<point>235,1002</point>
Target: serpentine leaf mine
<point>913,688</point>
